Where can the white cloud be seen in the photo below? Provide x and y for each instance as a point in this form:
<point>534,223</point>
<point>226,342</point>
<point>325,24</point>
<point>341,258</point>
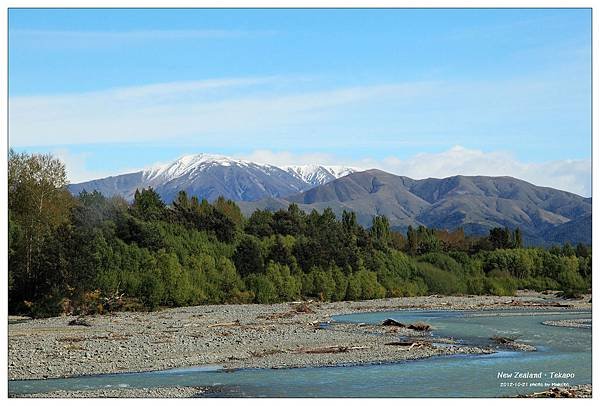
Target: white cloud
<point>77,167</point>
<point>186,111</point>
<point>570,175</point>
<point>254,112</point>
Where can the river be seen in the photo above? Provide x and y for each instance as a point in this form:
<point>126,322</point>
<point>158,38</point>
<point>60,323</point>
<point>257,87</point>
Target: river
<point>560,350</point>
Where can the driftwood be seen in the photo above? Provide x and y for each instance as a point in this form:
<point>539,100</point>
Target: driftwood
<point>557,304</point>
<point>70,339</point>
<point>303,308</point>
<point>510,342</point>
<point>300,302</point>
<point>537,304</point>
<point>419,326</point>
<point>264,353</point>
<point>80,321</point>
<point>502,340</point>
<point>410,344</point>
<point>226,324</point>
<point>401,343</point>
<point>392,322</point>
<point>329,350</point>
<point>300,307</point>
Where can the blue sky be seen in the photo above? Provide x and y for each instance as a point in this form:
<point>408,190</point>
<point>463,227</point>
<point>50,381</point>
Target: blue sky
<point>416,92</point>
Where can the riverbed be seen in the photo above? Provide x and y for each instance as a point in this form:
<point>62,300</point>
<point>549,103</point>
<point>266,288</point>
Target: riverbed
<point>447,373</point>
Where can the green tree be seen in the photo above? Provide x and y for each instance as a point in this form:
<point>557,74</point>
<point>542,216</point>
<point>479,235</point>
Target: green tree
<point>248,256</point>
<point>380,232</point>
<point>290,221</point>
<point>260,223</point>
<point>147,205</point>
<point>500,238</point>
<point>411,238</point>
<point>517,238</point>
<point>38,203</point>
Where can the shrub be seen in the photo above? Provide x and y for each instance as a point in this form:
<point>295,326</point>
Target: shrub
<point>264,290</point>
<point>151,290</point>
<point>443,262</point>
<point>363,285</point>
<point>439,281</point>
<point>500,284</point>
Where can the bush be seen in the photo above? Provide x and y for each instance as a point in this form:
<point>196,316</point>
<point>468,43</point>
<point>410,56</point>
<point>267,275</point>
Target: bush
<point>151,290</point>
<point>476,285</point>
<point>286,286</point>
<point>264,290</point>
<point>500,286</point>
<point>443,262</point>
<point>439,281</point>
<point>323,284</point>
<point>50,305</point>
<point>539,284</point>
<point>363,285</point>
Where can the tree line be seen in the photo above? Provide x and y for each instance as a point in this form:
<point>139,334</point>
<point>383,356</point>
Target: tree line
<point>92,253</point>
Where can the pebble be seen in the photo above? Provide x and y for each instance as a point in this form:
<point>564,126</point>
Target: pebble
<point>262,328</point>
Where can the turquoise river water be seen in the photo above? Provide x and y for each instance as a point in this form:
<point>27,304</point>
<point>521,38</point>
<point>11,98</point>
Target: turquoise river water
<point>567,351</point>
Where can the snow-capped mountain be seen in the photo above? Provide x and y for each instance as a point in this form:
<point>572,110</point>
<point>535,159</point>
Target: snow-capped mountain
<point>474,203</point>
<point>318,174</point>
<point>210,176</point>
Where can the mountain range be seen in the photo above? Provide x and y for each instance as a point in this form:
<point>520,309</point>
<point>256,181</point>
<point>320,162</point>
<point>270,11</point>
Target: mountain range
<point>210,176</point>
<point>475,203</point>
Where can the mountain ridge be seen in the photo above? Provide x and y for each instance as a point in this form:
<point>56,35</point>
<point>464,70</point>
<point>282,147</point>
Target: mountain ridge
<point>209,176</point>
<point>474,203</point>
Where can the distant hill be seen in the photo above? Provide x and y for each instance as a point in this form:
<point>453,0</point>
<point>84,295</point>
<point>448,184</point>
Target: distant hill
<point>475,203</point>
<point>578,230</point>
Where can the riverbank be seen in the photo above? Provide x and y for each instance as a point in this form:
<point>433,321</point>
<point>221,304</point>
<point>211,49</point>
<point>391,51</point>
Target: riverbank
<point>170,392</point>
<point>237,336</point>
<point>577,323</point>
<point>578,391</point>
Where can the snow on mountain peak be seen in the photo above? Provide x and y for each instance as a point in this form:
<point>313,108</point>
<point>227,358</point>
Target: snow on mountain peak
<point>189,165</point>
<point>315,174</point>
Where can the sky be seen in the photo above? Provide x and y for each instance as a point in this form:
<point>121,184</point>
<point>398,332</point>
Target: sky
<point>420,93</point>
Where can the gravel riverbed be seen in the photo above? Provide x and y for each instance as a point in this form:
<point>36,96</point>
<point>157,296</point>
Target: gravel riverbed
<point>238,336</point>
<point>578,391</point>
<point>167,392</point>
<point>577,323</point>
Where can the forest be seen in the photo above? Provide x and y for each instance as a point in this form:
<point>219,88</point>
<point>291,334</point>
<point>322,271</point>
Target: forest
<point>93,254</point>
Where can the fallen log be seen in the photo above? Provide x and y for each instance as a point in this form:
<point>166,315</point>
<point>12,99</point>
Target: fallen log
<point>557,304</point>
<point>80,321</point>
<point>226,324</point>
<point>329,350</point>
<point>502,340</point>
<point>392,322</point>
<point>420,326</point>
<point>303,308</point>
<point>401,343</point>
<point>537,304</point>
<point>410,344</point>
